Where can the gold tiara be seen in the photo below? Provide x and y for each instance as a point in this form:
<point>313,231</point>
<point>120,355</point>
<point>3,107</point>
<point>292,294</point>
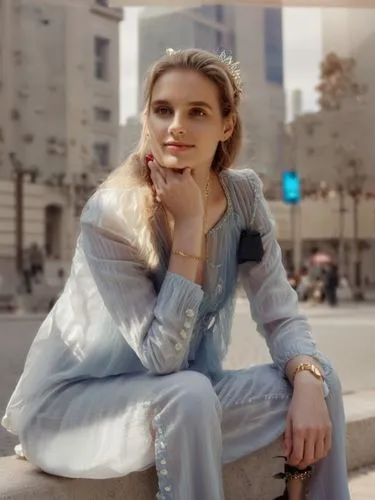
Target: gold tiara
<point>233,66</point>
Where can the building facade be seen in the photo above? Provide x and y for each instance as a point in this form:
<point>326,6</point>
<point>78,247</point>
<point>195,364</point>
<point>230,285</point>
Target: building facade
<point>327,150</point>
<point>59,101</point>
<point>259,48</point>
<point>130,133</point>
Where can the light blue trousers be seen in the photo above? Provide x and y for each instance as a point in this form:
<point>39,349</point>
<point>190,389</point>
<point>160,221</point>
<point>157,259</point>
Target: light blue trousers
<point>185,423</point>
<point>226,420</point>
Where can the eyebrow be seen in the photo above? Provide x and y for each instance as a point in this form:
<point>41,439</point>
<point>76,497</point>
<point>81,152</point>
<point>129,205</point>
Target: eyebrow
<point>201,104</point>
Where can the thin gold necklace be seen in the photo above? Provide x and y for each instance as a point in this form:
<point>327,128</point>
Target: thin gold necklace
<point>206,195</point>
<point>205,217</point>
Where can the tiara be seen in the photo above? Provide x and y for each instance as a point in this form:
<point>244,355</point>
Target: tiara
<point>233,66</point>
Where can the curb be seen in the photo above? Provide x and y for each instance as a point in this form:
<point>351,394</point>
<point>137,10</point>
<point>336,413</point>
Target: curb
<point>22,316</point>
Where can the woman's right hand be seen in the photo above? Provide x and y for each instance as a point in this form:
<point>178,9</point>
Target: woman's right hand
<point>178,192</point>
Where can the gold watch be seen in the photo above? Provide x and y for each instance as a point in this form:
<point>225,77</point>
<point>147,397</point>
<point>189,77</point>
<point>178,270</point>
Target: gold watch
<point>310,367</point>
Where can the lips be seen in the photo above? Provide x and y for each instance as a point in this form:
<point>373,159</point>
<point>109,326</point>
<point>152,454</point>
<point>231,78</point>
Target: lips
<point>179,144</point>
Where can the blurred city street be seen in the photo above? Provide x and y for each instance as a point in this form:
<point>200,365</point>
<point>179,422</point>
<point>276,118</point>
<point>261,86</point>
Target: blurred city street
<point>344,334</point>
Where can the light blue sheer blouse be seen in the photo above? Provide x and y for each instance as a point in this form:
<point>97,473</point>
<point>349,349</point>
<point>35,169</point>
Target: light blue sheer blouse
<point>116,316</point>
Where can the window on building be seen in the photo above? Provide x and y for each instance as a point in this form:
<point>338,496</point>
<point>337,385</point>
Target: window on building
<point>101,48</point>
<point>102,154</point>
<point>104,3</point>
<point>102,114</point>
<point>273,40</point>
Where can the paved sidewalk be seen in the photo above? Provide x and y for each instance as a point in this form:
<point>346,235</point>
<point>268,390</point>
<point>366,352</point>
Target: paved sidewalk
<point>362,484</point>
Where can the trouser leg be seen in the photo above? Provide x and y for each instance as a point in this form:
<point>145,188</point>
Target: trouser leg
<point>255,404</point>
<point>188,441</point>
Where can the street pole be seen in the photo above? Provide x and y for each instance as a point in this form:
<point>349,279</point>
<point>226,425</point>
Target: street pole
<point>297,105</point>
<point>295,236</point>
<point>19,173</point>
<point>19,220</point>
<point>342,210</point>
<point>358,294</point>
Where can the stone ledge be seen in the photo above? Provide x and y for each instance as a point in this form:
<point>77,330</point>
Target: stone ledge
<point>246,479</point>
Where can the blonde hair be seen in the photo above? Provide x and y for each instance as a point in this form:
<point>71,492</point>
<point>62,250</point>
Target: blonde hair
<point>134,173</point>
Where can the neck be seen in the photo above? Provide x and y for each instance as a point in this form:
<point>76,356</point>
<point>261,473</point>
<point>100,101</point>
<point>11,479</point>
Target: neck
<point>201,176</point>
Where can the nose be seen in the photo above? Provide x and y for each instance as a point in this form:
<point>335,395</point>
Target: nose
<point>177,127</point>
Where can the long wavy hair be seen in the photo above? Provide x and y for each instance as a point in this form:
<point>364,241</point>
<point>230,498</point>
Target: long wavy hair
<point>134,173</point>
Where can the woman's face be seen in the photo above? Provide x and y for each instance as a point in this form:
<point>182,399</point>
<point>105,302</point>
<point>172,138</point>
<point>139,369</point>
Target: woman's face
<point>184,121</point>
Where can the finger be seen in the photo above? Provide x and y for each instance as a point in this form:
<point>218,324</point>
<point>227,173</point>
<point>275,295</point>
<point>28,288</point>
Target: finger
<point>308,452</point>
<point>288,437</point>
<point>157,171</point>
<point>320,449</point>
<point>159,185</point>
<point>173,175</point>
<point>149,157</point>
<point>153,175</point>
<point>161,171</point>
<point>327,442</point>
<point>157,175</point>
<point>298,446</point>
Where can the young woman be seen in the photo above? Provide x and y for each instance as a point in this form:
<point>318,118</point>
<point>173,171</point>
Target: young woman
<point>126,370</point>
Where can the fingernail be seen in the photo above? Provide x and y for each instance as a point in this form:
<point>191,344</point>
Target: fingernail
<point>149,158</point>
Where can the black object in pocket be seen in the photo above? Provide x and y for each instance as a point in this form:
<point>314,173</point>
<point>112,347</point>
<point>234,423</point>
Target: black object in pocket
<point>250,248</point>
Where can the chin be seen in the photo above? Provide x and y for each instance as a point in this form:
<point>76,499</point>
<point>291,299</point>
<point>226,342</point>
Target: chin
<point>170,161</point>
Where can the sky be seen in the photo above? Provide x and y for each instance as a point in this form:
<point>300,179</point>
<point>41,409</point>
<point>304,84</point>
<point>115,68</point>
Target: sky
<point>302,55</point>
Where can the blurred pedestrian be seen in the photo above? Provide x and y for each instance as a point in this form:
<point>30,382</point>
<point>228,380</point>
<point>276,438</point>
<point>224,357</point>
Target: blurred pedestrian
<point>26,271</point>
<point>304,285</point>
<point>331,282</point>
<point>37,262</point>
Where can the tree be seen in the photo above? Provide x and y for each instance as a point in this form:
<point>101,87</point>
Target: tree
<point>337,82</point>
<point>338,85</point>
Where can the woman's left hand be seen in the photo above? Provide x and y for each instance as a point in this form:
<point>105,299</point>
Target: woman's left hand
<point>308,431</point>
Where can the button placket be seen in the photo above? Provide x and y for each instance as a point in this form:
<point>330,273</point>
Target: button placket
<point>165,487</point>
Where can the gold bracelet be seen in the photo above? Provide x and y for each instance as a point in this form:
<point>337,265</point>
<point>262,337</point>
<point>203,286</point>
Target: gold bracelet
<point>181,253</point>
<point>301,476</point>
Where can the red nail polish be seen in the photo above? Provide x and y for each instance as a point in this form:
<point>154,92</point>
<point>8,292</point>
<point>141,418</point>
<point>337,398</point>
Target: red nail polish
<point>148,158</point>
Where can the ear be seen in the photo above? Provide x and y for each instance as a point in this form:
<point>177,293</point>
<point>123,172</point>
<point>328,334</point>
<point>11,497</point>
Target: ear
<point>229,124</point>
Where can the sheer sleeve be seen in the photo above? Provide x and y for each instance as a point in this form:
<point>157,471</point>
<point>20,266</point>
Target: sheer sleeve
<point>273,302</point>
<point>158,327</point>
